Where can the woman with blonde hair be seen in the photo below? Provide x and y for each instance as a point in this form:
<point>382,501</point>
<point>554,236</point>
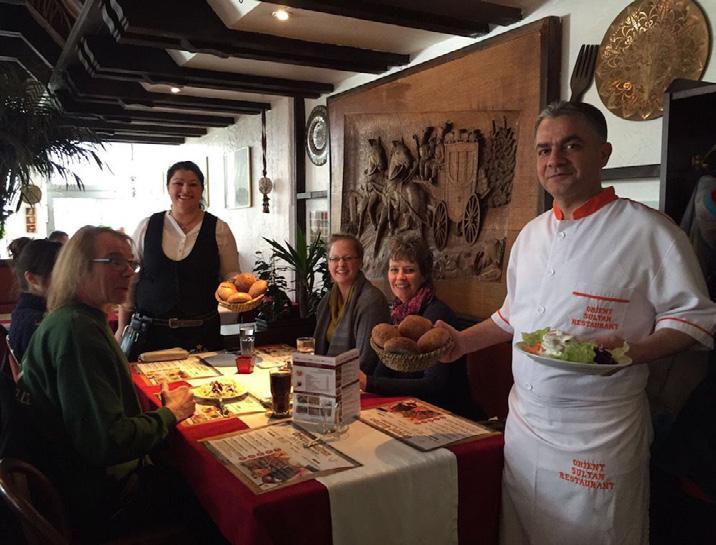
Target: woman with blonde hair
<point>347,314</point>
<point>76,384</point>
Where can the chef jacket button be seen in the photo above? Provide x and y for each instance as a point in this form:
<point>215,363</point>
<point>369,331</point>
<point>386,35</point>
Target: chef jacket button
<point>540,309</point>
<point>550,272</point>
<point>528,386</point>
<point>562,234</point>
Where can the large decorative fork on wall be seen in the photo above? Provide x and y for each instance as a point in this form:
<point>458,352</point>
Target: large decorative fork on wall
<point>583,71</point>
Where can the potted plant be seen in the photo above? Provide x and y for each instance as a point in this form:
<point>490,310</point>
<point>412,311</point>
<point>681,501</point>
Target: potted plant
<point>307,261</point>
<point>276,304</point>
<point>36,138</point>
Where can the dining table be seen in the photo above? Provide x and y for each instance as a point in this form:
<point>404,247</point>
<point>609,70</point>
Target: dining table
<point>301,513</point>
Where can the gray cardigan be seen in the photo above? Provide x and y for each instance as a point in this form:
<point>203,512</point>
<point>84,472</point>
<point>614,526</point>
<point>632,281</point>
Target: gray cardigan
<point>367,308</point>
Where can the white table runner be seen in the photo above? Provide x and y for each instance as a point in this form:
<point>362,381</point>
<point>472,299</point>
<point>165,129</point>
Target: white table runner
<point>398,496</point>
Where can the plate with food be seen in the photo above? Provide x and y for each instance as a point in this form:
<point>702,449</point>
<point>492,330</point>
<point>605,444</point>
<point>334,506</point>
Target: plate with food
<point>562,350</point>
<point>216,390</point>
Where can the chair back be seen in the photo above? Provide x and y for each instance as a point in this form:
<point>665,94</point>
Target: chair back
<point>12,361</point>
<point>489,373</point>
<point>35,501</point>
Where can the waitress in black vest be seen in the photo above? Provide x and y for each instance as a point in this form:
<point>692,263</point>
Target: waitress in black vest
<point>184,253</point>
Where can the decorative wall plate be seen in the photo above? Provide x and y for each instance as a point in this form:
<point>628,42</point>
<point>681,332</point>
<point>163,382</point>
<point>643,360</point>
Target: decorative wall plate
<point>317,135</point>
<point>647,46</point>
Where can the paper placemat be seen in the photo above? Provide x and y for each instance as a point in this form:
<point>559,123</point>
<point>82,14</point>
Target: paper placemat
<point>275,456</point>
<point>422,425</point>
<point>175,370</point>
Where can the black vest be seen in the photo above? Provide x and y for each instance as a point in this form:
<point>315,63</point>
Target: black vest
<point>178,289</point>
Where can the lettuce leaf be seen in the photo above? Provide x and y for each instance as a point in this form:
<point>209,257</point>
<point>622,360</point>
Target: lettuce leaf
<point>577,352</point>
<point>534,337</point>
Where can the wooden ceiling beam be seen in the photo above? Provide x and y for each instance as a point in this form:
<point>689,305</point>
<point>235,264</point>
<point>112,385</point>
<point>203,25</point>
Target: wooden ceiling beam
<point>102,57</point>
<point>140,139</point>
<point>194,27</point>
<point>117,113</point>
<point>16,49</point>
<point>138,128</point>
<point>127,93</point>
<point>16,20</point>
<point>460,17</point>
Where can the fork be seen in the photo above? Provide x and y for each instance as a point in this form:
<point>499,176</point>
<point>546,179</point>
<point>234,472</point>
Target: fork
<point>583,71</point>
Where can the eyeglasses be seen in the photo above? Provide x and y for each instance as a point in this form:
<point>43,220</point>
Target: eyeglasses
<point>118,263</point>
<point>345,259</point>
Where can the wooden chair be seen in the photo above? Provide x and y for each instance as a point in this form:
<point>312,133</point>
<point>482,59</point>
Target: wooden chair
<point>38,506</point>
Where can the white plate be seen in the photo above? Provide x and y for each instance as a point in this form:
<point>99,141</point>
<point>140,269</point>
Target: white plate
<point>584,368</point>
<point>203,391</point>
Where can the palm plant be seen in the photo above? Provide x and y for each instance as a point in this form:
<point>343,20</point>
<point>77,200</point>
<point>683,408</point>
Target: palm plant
<point>308,261</point>
<point>36,139</point>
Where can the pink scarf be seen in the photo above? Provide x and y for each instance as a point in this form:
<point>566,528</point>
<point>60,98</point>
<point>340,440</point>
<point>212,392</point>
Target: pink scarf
<point>400,310</point>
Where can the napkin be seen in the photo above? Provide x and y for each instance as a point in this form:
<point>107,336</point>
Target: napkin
<point>164,355</point>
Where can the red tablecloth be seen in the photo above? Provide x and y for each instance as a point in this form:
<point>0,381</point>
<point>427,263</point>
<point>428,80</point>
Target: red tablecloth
<point>301,513</point>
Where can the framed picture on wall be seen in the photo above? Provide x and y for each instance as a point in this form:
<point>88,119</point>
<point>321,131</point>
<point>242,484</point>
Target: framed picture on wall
<point>237,172</point>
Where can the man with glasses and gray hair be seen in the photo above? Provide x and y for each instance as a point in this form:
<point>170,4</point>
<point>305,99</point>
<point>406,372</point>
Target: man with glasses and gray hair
<point>75,383</point>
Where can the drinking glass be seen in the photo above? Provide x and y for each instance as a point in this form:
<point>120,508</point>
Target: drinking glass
<point>280,391</point>
<point>246,339</point>
<point>331,428</point>
<point>306,345</point>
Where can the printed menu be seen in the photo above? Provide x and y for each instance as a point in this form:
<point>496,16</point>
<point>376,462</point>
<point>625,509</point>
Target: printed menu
<point>276,456</point>
<point>175,370</point>
<point>421,425</point>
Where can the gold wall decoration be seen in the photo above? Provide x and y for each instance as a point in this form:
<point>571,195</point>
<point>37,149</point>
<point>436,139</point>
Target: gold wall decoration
<point>647,46</point>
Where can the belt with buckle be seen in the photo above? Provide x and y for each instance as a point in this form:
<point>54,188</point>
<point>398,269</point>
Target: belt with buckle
<point>175,323</point>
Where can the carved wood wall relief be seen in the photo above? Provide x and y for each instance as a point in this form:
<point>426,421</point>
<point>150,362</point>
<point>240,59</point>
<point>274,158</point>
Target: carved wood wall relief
<point>437,180</point>
<point>445,150</point>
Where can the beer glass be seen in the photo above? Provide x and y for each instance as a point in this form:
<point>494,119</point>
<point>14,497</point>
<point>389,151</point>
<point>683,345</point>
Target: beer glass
<point>280,391</point>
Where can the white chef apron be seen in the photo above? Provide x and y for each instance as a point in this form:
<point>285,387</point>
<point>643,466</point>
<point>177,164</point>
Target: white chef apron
<point>576,472</point>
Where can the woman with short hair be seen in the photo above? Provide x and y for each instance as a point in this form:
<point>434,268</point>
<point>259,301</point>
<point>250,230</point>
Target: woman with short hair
<point>349,311</point>
<point>410,268</point>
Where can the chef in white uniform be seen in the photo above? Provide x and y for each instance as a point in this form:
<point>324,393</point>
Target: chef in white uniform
<point>605,269</point>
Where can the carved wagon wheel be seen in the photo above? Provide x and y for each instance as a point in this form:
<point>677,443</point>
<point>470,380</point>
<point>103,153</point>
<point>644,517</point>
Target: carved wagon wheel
<point>441,225</point>
<point>471,219</point>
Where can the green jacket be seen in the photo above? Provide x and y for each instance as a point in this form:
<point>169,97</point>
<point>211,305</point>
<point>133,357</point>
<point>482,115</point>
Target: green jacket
<point>83,403</point>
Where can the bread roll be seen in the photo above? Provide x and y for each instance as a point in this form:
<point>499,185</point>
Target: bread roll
<point>401,345</point>
<point>414,326</point>
<point>226,290</point>
<point>239,297</point>
<point>258,288</point>
<point>383,332</point>
<point>243,281</point>
<point>436,338</point>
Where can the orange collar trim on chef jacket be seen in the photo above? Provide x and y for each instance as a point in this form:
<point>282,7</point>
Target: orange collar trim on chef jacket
<point>604,197</point>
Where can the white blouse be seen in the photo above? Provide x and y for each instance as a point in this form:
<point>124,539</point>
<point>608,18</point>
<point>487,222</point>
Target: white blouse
<point>177,245</point>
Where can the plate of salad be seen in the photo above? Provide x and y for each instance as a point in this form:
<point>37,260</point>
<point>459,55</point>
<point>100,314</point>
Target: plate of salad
<point>562,350</point>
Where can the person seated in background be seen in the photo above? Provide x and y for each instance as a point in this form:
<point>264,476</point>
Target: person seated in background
<point>59,236</point>
<point>16,245</point>
<point>410,268</point>
<point>89,433</point>
<point>347,314</point>
<point>33,270</point>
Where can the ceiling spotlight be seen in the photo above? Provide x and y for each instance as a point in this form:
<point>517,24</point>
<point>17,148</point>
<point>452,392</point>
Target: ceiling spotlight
<point>281,14</point>
<point>175,90</point>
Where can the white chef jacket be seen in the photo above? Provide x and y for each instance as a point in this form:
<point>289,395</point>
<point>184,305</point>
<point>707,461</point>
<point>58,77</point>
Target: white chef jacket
<point>577,446</point>
<point>177,244</point>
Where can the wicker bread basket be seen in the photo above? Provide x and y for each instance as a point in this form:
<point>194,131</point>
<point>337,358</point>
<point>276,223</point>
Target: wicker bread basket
<point>410,363</point>
<point>240,307</point>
